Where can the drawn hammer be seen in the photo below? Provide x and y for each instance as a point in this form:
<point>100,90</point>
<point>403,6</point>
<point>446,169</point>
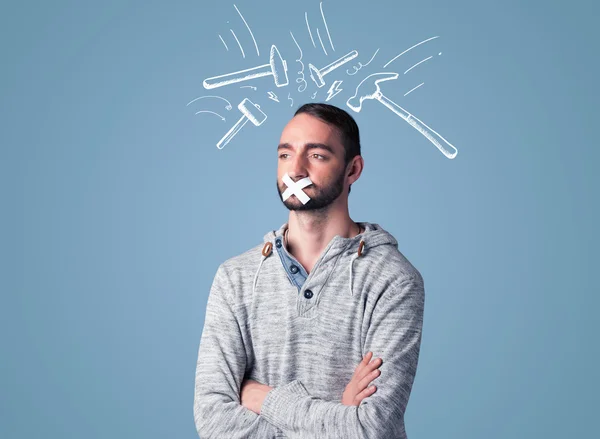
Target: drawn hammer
<point>251,112</point>
<point>369,89</point>
<point>277,68</point>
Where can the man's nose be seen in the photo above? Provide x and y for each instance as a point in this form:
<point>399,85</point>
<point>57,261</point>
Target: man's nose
<point>298,169</point>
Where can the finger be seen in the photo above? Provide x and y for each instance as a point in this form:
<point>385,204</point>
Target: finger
<point>362,395</point>
<point>368,368</point>
<point>363,362</point>
<point>364,382</point>
<point>366,359</point>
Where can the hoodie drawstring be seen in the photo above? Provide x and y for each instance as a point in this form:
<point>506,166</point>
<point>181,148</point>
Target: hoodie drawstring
<point>268,249</point>
<point>266,252</point>
<point>354,258</point>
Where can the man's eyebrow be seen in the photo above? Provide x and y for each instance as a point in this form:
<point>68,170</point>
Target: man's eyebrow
<point>309,146</point>
<point>320,146</point>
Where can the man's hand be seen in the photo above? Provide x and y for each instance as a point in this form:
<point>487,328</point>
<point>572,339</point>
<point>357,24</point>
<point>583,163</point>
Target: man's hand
<point>252,395</point>
<point>365,372</point>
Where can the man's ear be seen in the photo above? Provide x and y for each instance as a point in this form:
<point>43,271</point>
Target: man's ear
<point>355,167</point>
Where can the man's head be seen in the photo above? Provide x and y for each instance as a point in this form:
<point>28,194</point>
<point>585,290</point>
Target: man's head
<point>321,142</point>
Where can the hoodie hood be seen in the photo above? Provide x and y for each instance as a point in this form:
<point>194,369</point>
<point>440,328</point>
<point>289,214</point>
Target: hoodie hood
<point>373,236</point>
<point>348,249</point>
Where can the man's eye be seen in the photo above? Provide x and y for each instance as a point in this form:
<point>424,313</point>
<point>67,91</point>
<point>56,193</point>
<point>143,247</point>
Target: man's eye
<point>281,156</point>
<point>318,156</point>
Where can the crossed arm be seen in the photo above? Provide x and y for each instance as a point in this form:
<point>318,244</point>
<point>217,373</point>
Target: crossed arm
<point>288,410</point>
<point>253,393</point>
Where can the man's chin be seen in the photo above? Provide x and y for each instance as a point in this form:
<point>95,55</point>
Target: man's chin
<point>312,204</point>
<point>294,203</point>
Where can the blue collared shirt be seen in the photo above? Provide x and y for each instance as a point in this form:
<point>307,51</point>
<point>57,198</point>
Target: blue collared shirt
<point>295,271</point>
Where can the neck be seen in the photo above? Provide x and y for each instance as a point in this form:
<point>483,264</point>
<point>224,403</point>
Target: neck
<point>308,232</point>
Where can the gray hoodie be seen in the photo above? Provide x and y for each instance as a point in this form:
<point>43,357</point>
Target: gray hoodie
<point>363,295</point>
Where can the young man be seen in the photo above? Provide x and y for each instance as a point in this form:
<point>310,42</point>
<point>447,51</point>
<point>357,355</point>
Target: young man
<point>288,320</point>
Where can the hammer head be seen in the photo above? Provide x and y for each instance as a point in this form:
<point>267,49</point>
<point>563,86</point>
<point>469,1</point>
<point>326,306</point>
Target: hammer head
<point>252,112</point>
<point>316,75</point>
<point>369,89</point>
<point>279,67</point>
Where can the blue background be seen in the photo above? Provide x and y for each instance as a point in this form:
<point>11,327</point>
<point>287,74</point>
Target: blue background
<point>118,208</point>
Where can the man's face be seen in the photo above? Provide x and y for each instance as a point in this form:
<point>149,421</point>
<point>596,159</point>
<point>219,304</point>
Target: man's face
<point>310,148</point>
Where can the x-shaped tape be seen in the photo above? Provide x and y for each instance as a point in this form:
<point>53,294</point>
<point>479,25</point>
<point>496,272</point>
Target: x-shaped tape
<point>295,188</point>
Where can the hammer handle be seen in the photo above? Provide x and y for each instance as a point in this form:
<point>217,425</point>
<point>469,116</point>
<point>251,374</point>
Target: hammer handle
<point>343,60</point>
<point>242,75</point>
<point>232,132</point>
<point>442,144</point>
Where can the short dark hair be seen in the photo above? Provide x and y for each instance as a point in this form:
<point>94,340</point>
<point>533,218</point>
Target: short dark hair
<point>342,121</point>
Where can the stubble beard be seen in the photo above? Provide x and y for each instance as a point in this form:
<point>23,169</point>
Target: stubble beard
<point>321,200</point>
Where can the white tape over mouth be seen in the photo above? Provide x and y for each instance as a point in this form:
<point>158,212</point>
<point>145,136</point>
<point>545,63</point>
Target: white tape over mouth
<point>295,188</point>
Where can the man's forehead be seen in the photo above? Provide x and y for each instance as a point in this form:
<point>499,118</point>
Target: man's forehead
<point>304,130</point>
<point>308,122</point>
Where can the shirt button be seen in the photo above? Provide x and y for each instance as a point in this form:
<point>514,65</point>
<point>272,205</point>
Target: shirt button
<point>278,243</point>
<point>308,294</point>
<point>293,269</point>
